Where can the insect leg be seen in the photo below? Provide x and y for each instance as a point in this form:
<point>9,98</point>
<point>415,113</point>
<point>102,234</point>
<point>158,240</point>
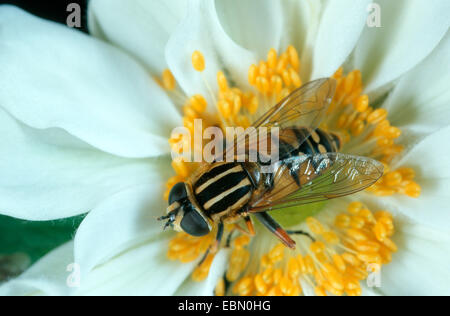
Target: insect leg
<point>227,285</point>
<point>240,229</point>
<point>213,248</point>
<point>248,222</point>
<point>229,238</point>
<point>219,236</point>
<point>300,232</point>
<point>237,227</point>
<point>250,227</point>
<point>275,228</point>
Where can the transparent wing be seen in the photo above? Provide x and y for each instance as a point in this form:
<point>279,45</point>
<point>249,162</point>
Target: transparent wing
<point>304,107</point>
<point>309,179</point>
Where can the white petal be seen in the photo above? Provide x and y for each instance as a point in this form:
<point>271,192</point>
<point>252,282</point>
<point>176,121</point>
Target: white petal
<point>429,159</point>
<point>52,76</point>
<point>140,27</point>
<point>420,101</point>
<point>206,287</point>
<point>49,174</point>
<point>46,277</point>
<point>369,291</point>
<point>144,270</point>
<point>410,30</point>
<point>120,222</point>
<point>340,27</point>
<point>302,19</point>
<point>307,288</point>
<point>201,30</point>
<point>256,25</point>
<point>421,265</point>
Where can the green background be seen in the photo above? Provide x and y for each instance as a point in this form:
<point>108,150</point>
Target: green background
<point>35,238</point>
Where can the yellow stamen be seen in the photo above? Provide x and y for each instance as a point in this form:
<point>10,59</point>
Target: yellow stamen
<point>327,266</point>
<point>238,262</point>
<point>168,80</point>
<point>296,81</point>
<point>186,248</point>
<point>362,103</point>
<point>224,108</point>
<point>276,75</point>
<point>252,74</point>
<point>293,58</point>
<point>220,288</point>
<point>198,61</point>
<point>315,226</point>
<point>397,181</point>
<point>181,167</point>
<point>222,81</point>
<point>201,272</point>
<point>377,116</point>
<point>351,116</point>
<point>272,58</point>
<point>198,102</point>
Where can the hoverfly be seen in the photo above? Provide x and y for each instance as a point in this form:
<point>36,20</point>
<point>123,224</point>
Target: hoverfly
<point>309,169</point>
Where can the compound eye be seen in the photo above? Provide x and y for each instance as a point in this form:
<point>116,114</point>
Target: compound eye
<point>194,224</point>
<point>177,193</point>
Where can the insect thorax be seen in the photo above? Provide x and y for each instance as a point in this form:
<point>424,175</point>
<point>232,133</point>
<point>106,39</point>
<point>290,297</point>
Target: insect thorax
<point>223,189</point>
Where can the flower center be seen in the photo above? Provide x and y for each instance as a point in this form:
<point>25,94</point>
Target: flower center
<point>347,246</point>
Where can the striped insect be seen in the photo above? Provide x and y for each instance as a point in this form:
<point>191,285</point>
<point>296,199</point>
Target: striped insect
<point>309,169</point>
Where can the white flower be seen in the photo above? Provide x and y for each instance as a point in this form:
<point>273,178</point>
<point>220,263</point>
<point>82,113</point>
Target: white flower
<point>86,128</point>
